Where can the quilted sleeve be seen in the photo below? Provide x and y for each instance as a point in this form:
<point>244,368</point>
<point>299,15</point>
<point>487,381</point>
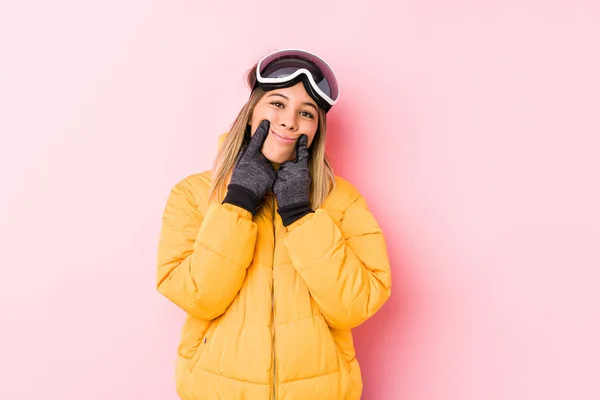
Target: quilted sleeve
<point>202,259</point>
<point>346,268</point>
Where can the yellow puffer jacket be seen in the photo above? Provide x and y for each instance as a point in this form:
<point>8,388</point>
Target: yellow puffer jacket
<point>270,309</point>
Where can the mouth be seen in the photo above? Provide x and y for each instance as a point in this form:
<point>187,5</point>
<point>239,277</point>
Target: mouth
<point>282,138</point>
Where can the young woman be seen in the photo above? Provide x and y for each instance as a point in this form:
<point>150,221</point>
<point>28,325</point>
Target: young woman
<point>273,258</point>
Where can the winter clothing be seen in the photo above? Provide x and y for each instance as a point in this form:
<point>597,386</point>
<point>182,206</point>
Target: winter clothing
<point>270,308</point>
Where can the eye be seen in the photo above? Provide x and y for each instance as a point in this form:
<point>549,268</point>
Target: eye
<point>277,104</point>
<point>306,114</point>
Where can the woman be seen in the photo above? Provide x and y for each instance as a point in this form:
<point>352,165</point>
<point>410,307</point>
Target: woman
<point>273,258</point>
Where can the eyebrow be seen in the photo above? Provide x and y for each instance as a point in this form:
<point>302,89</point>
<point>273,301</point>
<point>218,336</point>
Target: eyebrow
<point>287,98</point>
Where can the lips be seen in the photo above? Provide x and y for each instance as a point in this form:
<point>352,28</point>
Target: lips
<point>283,138</point>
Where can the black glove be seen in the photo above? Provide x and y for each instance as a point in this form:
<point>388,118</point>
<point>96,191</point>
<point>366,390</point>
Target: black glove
<point>292,186</point>
<point>253,175</point>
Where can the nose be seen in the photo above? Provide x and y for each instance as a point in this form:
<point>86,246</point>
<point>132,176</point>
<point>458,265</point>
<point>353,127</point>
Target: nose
<point>287,119</point>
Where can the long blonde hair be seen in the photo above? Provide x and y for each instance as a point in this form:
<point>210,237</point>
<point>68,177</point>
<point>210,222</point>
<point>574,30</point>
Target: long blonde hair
<point>321,171</point>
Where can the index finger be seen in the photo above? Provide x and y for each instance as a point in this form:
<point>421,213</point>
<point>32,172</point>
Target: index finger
<point>259,137</point>
<point>302,148</point>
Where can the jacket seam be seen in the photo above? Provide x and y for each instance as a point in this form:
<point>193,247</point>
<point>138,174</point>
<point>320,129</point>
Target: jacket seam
<point>229,261</point>
<point>296,320</point>
<point>312,377</point>
<point>316,261</point>
<point>233,379</point>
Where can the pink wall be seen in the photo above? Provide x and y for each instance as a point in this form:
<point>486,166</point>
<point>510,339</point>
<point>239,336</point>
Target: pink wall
<point>473,131</point>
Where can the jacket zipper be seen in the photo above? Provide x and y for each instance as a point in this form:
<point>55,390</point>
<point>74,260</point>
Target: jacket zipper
<point>273,300</point>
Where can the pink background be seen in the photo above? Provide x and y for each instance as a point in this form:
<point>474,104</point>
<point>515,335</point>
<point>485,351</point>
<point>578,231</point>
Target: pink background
<point>473,131</point>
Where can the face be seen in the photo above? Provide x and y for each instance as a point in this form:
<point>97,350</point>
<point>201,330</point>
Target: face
<point>291,113</point>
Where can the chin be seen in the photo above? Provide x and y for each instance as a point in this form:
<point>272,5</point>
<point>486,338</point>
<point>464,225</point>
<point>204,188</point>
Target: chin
<point>277,157</point>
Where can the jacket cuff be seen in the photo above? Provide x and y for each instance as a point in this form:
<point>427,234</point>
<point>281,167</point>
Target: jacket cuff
<point>292,213</point>
<point>243,213</point>
<point>300,222</point>
<point>242,197</point>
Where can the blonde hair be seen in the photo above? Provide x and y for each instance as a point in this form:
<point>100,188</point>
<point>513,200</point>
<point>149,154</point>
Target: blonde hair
<point>321,171</point>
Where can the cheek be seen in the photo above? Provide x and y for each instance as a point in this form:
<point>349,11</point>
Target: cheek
<point>311,132</point>
<point>258,116</point>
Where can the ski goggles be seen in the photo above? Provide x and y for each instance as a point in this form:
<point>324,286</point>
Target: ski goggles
<point>285,68</point>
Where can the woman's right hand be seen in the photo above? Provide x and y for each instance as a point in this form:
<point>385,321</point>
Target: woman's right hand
<point>253,175</point>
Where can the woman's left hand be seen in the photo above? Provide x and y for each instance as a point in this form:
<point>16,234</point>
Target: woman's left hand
<point>292,186</point>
